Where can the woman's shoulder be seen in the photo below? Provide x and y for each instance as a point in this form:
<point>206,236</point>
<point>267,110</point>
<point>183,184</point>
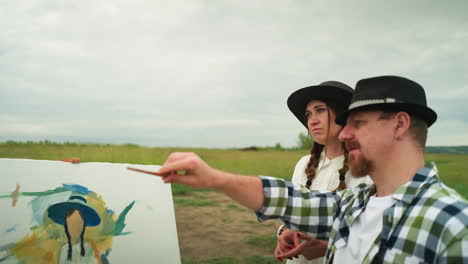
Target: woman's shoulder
<point>305,158</point>
<point>299,175</point>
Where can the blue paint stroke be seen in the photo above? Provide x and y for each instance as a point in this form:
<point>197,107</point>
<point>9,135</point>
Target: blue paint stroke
<point>76,188</point>
<point>40,204</point>
<point>11,229</point>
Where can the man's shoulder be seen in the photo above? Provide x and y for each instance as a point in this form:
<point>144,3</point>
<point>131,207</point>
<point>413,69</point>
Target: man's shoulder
<point>444,194</point>
<point>443,205</point>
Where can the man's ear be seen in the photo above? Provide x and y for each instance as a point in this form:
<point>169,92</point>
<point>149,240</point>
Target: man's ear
<point>402,124</point>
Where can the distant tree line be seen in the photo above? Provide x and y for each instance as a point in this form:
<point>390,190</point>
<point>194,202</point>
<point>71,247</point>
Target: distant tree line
<point>304,141</point>
<point>447,149</point>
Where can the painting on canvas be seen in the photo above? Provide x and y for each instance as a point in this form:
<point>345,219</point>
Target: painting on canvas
<point>57,212</point>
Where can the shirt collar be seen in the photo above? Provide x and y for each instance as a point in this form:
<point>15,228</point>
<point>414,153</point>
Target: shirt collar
<point>408,191</point>
<point>337,160</point>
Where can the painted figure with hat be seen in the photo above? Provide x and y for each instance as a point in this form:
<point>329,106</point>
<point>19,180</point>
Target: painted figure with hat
<point>70,224</point>
<point>75,215</point>
<point>326,167</point>
<point>407,216</point>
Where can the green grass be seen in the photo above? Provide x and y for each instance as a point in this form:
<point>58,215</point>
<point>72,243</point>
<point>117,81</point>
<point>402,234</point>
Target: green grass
<point>234,207</point>
<point>452,170</point>
<point>270,162</point>
<point>267,242</point>
<point>252,259</point>
<point>194,202</point>
<point>260,259</point>
<point>253,222</point>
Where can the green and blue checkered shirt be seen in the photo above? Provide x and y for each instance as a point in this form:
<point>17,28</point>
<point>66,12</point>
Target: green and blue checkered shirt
<point>426,224</point>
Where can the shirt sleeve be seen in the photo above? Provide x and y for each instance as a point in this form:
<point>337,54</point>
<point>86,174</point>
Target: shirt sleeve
<point>457,249</point>
<point>297,207</point>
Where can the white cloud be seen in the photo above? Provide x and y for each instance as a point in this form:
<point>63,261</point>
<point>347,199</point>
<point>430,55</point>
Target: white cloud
<point>158,70</point>
<point>448,133</point>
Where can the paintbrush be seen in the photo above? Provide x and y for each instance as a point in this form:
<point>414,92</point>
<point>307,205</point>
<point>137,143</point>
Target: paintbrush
<point>145,171</point>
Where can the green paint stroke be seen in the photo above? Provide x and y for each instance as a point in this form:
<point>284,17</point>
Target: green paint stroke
<point>6,248</point>
<point>7,257</point>
<point>44,193</point>
<point>120,224</point>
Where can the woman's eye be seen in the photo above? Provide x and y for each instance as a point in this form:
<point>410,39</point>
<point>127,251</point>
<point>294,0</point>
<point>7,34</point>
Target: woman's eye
<point>307,115</point>
<point>319,110</point>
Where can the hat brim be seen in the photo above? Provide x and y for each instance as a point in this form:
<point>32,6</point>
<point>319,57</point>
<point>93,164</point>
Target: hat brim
<point>297,101</point>
<point>58,211</point>
<point>425,113</point>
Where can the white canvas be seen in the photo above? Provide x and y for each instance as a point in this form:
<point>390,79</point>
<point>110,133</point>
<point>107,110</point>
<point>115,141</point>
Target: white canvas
<point>151,220</point>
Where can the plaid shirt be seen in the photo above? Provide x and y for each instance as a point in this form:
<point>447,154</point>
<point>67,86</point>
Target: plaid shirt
<point>426,224</point>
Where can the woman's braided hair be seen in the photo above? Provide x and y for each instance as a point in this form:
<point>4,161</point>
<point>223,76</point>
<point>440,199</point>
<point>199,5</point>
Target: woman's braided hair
<point>316,151</point>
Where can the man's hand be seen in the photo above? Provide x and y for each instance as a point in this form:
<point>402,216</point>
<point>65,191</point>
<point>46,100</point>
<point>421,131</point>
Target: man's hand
<point>308,246</point>
<point>189,169</point>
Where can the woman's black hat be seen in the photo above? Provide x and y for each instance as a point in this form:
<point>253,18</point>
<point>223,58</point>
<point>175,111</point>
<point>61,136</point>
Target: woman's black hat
<point>58,211</point>
<point>334,91</point>
<point>390,92</point>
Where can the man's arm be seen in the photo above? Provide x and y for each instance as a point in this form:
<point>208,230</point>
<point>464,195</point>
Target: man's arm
<point>246,190</point>
<point>270,198</point>
<point>456,250</point>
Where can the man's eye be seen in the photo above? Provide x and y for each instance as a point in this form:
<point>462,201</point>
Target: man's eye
<point>357,123</point>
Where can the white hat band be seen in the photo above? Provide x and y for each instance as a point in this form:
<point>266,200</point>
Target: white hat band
<point>371,102</point>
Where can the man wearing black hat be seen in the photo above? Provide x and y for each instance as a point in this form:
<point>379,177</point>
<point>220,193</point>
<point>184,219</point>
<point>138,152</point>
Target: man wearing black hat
<point>407,216</point>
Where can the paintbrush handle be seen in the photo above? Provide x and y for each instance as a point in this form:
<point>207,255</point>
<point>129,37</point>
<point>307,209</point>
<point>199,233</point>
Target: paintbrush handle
<point>144,171</point>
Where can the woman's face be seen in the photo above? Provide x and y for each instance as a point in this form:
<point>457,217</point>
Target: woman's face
<point>75,224</point>
<point>317,115</point>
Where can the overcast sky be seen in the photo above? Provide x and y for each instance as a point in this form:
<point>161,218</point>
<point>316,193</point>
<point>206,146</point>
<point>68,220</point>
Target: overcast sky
<point>215,73</point>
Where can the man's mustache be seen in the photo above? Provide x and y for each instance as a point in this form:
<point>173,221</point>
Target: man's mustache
<point>352,145</point>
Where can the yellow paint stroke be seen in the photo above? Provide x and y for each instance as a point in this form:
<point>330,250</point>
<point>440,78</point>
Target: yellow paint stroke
<point>35,248</point>
<point>44,243</point>
<point>95,251</point>
<point>14,195</point>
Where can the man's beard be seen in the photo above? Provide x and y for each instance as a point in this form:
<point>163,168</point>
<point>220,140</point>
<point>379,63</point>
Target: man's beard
<point>359,167</point>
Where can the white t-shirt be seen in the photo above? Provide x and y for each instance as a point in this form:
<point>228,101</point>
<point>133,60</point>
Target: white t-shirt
<point>326,178</point>
<point>88,258</point>
<point>364,230</point>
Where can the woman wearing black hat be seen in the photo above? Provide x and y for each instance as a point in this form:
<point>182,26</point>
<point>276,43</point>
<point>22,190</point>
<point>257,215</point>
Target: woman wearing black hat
<point>75,215</point>
<point>326,167</point>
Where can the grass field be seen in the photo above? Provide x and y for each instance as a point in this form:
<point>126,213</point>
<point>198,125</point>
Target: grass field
<point>278,163</point>
<point>270,162</point>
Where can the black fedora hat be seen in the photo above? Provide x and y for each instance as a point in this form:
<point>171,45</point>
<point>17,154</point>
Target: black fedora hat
<point>393,93</point>
<point>327,91</point>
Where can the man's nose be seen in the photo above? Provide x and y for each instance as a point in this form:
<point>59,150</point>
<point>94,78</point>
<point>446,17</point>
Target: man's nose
<point>344,134</point>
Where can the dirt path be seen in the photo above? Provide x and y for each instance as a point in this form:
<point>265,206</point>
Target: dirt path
<point>221,229</point>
